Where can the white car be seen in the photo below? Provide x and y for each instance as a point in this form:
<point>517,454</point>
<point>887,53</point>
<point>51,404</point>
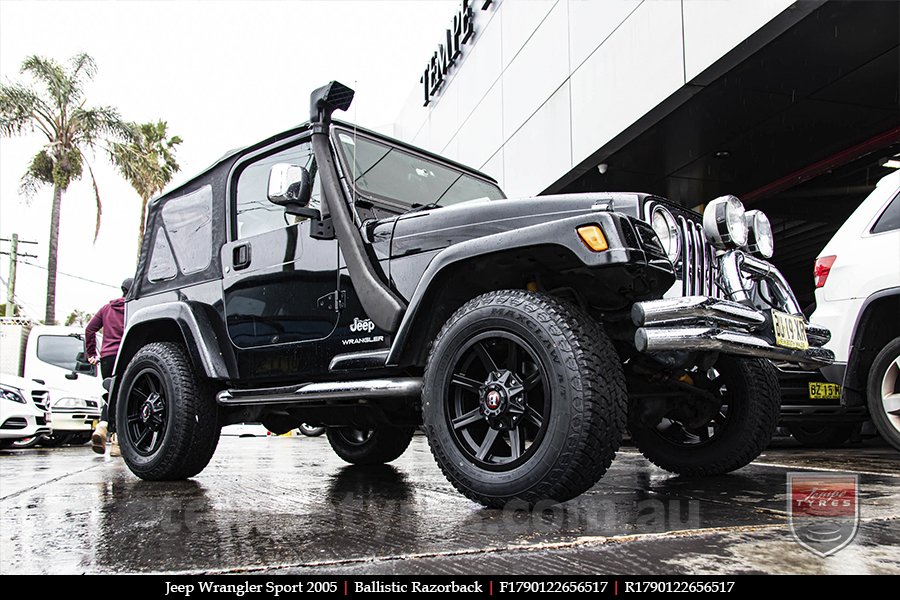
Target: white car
<point>858,298</point>
<point>23,410</point>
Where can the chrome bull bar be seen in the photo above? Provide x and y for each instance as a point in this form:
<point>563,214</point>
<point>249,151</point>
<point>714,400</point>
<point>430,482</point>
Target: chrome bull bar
<point>732,326</point>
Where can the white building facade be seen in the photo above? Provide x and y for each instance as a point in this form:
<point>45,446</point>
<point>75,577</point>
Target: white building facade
<point>545,88</point>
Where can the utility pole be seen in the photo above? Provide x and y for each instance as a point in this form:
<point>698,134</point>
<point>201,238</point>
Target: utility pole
<point>13,263</point>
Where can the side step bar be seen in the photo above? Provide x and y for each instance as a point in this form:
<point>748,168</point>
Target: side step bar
<point>363,389</point>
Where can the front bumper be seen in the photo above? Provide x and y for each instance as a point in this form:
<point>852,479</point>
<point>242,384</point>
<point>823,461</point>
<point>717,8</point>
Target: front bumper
<point>706,324</point>
<point>74,419</point>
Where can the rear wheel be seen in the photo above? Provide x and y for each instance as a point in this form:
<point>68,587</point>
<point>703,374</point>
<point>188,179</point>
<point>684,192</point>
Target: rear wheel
<point>166,415</point>
<point>732,428</point>
<point>310,430</point>
<point>883,392</point>
<point>821,435</point>
<point>524,399</point>
<point>369,446</point>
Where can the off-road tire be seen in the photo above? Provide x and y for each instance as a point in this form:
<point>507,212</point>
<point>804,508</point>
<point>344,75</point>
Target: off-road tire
<point>588,399</point>
<point>821,435</point>
<point>384,444</point>
<point>192,429</point>
<point>754,408</point>
<point>880,365</point>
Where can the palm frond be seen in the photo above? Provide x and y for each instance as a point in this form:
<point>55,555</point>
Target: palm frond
<point>51,74</point>
<point>87,125</point>
<point>97,199</point>
<point>21,107</point>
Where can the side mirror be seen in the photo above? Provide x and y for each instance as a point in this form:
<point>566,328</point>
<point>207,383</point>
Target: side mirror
<point>290,187</point>
<point>82,366</point>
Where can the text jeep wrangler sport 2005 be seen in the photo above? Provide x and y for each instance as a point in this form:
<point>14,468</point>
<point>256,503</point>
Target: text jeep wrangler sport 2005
<point>332,276</point>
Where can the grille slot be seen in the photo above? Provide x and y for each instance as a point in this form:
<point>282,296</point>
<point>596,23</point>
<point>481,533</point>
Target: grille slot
<point>697,264</point>
<point>41,399</point>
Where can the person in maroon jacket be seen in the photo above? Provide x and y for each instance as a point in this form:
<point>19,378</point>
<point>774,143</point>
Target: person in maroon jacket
<point>111,319</point>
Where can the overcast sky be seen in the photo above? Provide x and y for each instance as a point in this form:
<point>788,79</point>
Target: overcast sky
<point>223,74</point>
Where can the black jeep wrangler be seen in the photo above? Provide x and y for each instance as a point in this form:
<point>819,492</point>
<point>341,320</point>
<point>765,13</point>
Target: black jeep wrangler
<point>332,276</point>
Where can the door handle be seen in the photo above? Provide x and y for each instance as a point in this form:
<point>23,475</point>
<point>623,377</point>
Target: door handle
<point>240,258</point>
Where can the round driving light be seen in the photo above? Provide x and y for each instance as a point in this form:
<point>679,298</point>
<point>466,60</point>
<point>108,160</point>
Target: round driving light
<point>666,229</point>
<point>724,223</point>
<point>760,240</point>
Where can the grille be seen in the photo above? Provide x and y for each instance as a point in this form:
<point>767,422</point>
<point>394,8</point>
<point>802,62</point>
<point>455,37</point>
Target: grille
<point>41,398</point>
<point>698,261</point>
<point>14,423</point>
<point>40,420</point>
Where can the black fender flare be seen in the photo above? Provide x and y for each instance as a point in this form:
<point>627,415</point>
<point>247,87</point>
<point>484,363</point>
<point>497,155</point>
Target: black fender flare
<point>624,248</point>
<point>203,344</point>
<point>852,380</point>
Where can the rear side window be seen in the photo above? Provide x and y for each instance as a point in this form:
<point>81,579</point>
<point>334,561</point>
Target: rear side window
<point>890,218</point>
<point>183,243</point>
<point>59,350</point>
<point>188,223</point>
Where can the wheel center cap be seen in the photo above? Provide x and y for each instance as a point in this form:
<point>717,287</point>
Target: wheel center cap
<point>493,399</point>
<point>146,412</point>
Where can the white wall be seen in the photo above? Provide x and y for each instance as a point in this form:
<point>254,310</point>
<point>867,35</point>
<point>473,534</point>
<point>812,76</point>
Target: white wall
<point>547,83</point>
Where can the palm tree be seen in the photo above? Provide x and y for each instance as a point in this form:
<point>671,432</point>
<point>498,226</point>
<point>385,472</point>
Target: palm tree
<point>54,105</point>
<point>147,162</point>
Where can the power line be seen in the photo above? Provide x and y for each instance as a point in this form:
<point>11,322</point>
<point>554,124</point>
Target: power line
<point>109,285</point>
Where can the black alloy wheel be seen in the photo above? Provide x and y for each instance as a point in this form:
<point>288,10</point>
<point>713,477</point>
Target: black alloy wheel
<point>499,400</point>
<point>147,412</point>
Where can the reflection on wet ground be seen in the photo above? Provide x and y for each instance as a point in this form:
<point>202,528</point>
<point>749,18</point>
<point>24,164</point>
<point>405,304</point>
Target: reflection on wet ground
<point>290,505</point>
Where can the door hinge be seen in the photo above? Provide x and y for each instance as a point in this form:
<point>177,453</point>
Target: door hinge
<point>321,229</point>
<point>334,301</point>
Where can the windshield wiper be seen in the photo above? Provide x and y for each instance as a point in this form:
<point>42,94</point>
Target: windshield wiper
<point>416,207</point>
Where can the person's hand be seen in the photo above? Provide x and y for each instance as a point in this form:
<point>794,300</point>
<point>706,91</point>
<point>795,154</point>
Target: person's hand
<point>93,360</point>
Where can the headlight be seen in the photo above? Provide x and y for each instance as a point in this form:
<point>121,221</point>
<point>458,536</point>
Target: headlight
<point>666,229</point>
<point>760,240</point>
<point>70,403</point>
<point>724,224</point>
<point>11,393</point>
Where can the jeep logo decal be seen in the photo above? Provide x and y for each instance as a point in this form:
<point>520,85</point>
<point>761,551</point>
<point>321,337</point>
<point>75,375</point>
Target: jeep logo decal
<point>362,325</point>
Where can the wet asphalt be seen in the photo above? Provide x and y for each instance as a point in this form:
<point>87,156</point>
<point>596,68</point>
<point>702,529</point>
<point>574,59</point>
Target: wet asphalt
<point>289,505</point>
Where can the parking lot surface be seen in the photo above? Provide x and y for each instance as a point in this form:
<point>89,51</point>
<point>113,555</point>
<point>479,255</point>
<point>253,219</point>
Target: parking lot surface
<point>289,505</point>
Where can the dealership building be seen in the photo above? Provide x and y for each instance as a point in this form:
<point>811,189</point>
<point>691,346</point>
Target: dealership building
<point>792,106</point>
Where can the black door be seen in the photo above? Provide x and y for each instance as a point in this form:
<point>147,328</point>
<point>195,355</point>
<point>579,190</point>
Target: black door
<point>279,283</point>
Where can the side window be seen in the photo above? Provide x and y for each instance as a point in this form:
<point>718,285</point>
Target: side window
<point>59,350</point>
<point>184,237</point>
<point>253,212</point>
<point>890,218</point>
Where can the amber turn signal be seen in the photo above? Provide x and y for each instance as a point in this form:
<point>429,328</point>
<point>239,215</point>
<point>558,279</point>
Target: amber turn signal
<point>593,237</point>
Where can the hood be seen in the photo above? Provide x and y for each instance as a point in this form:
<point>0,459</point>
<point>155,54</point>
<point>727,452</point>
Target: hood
<point>439,228</point>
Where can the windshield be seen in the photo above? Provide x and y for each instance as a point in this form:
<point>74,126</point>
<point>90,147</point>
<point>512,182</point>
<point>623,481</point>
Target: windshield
<point>387,172</point>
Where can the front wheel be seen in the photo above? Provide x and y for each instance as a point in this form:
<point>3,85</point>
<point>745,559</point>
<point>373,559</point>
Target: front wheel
<point>29,442</point>
<point>883,392</point>
<point>524,399</point>
<point>369,446</point>
<point>55,440</point>
<point>166,415</point>
<point>724,433</point>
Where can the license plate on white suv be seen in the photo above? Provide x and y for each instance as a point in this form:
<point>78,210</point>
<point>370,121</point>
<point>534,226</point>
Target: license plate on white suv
<point>790,331</point>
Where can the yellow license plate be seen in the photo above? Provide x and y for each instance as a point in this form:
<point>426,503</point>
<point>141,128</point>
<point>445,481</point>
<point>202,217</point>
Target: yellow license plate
<point>790,331</point>
<point>824,391</point>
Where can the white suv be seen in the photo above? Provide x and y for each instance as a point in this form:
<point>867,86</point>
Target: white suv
<point>858,298</point>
